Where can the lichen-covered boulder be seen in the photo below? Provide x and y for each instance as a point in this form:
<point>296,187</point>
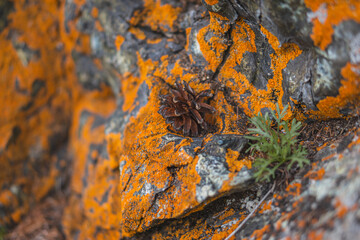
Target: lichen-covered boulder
<point>41,100</point>
<point>85,82</point>
<point>249,61</point>
<point>36,75</point>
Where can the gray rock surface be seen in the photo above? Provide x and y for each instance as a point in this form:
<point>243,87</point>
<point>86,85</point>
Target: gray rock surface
<point>251,55</point>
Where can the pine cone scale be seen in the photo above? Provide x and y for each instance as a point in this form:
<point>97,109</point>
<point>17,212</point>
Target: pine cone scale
<point>184,110</point>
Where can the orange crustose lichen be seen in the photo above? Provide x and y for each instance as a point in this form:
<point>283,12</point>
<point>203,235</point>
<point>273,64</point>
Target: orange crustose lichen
<point>243,39</point>
<point>349,95</point>
<point>132,188</point>
<point>157,16</point>
<point>118,41</point>
<point>213,50</point>
<point>212,2</point>
<point>35,115</point>
<point>336,12</point>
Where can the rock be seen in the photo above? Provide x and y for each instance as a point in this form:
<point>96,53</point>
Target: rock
<point>322,202</point>
<point>82,104</point>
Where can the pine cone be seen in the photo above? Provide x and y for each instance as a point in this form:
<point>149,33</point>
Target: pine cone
<point>184,110</point>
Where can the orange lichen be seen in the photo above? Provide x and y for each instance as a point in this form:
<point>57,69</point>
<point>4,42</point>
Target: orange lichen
<point>41,114</point>
<point>231,159</point>
<point>328,157</point>
<point>301,223</point>
<point>79,3</point>
<point>119,41</point>
<point>226,214</point>
<point>98,26</point>
<point>157,16</point>
<point>98,63</point>
<point>140,147</point>
<point>17,214</point>
<point>234,167</point>
<point>93,103</point>
<point>294,186</point>
<point>341,209</point>
<point>349,95</point>
<point>220,235</point>
<point>278,224</point>
<point>95,12</point>
<point>321,147</point>
<point>130,85</point>
<point>296,203</point>
<point>266,206</point>
<point>188,32</point>
<point>6,197</point>
<point>229,125</point>
<point>243,39</point>
<point>336,12</point>
<point>285,216</point>
<point>154,41</point>
<point>356,140</point>
<point>212,2</point>
<point>121,202</point>
<point>214,48</point>
<point>100,104</point>
<point>49,112</point>
<point>316,235</point>
<point>139,144</point>
<point>259,233</point>
<point>139,34</point>
<point>316,175</point>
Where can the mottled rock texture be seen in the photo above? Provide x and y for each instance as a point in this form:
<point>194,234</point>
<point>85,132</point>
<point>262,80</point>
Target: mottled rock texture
<point>82,80</point>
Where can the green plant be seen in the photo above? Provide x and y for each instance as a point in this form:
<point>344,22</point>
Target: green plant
<point>276,142</point>
<point>2,232</point>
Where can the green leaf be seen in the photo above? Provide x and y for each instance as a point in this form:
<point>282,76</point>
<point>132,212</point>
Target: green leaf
<point>279,145</point>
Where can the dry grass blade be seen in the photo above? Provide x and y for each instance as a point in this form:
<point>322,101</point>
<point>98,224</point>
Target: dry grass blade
<point>251,213</point>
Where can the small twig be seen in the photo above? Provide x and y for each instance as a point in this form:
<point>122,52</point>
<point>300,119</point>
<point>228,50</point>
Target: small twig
<point>252,212</point>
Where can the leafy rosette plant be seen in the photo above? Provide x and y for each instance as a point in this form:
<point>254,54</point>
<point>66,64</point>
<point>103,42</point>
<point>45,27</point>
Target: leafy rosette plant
<point>277,144</point>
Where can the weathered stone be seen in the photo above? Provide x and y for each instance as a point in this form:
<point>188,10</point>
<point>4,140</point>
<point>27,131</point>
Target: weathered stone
<point>321,202</point>
<point>249,64</point>
<point>83,81</point>
<point>41,96</point>
<point>214,170</point>
<point>222,7</point>
<point>5,8</point>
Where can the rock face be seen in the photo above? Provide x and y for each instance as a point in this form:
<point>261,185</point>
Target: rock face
<point>86,97</point>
